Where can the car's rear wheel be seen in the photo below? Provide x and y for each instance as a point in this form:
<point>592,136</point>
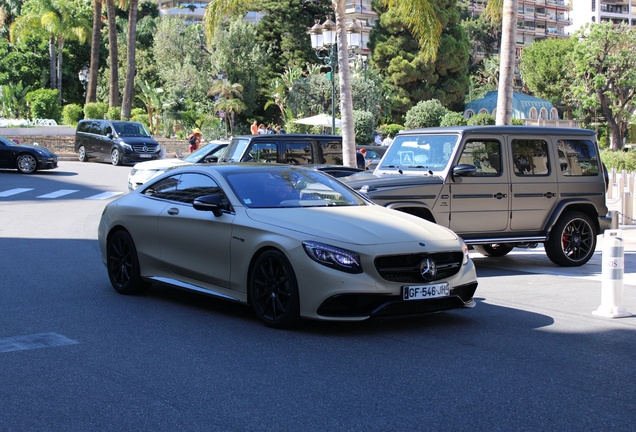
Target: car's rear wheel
<point>572,240</point>
<point>26,164</point>
<point>123,264</point>
<point>493,250</point>
<point>273,290</point>
<point>81,154</point>
<point>115,157</point>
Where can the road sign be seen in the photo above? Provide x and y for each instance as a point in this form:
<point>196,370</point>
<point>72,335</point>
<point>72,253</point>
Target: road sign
<point>221,114</point>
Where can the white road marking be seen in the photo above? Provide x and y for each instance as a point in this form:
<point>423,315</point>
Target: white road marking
<point>40,340</point>
<point>59,193</point>
<point>103,196</point>
<point>14,191</point>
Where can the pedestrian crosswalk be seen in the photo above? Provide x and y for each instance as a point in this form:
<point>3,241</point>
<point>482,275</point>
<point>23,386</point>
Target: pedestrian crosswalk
<point>60,193</point>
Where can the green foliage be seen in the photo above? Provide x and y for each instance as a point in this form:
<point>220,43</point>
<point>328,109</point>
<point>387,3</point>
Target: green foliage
<point>364,126</point>
<point>43,104</point>
<point>453,118</point>
<point>140,118</point>
<point>619,160</point>
<point>13,100</point>
<point>113,113</point>
<point>517,122</point>
<point>392,129</point>
<point>425,114</point>
<point>72,114</point>
<point>95,110</point>
<point>296,128</point>
<point>482,119</point>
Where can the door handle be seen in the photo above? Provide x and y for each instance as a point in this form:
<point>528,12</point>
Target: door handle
<point>549,195</point>
<point>499,195</point>
<point>173,211</point>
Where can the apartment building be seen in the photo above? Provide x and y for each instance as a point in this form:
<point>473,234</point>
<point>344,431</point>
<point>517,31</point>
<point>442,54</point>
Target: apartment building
<point>597,11</point>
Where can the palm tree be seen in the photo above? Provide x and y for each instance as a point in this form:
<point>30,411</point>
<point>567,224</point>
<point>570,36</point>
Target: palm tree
<point>57,20</point>
<point>126,104</point>
<point>417,15</point>
<point>113,93</point>
<point>9,11</point>
<point>229,101</point>
<point>152,97</point>
<point>91,90</point>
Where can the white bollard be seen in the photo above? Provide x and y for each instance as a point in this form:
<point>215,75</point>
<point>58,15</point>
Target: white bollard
<point>612,282</point>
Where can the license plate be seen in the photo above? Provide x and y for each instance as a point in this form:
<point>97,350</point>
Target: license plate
<point>425,291</point>
<point>145,156</point>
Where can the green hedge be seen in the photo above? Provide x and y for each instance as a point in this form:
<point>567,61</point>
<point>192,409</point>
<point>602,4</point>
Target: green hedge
<point>72,114</point>
<point>95,110</point>
<point>619,159</point>
<point>43,104</point>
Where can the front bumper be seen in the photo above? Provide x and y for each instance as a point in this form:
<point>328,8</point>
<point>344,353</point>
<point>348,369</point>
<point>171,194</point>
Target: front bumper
<point>47,163</point>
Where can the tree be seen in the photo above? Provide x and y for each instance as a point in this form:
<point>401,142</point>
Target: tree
<point>229,100</point>
<point>131,46</point>
<point>56,20</point>
<point>113,92</point>
<point>96,39</point>
<point>604,69</point>
<point>9,11</point>
<point>152,97</point>
<point>425,114</point>
<point>417,15</point>
<point>545,69</point>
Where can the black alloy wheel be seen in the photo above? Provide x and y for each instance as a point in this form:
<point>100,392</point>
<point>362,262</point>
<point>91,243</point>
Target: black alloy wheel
<point>26,164</point>
<point>123,265</point>
<point>572,240</point>
<point>273,290</point>
<point>493,250</point>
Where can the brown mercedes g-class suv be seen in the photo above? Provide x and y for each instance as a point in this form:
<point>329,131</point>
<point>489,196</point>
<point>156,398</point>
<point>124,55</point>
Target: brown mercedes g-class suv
<point>499,187</point>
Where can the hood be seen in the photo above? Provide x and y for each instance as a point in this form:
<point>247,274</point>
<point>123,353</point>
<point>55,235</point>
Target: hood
<point>138,140</point>
<point>390,181</point>
<point>40,148</point>
<point>360,225</point>
<point>160,164</point>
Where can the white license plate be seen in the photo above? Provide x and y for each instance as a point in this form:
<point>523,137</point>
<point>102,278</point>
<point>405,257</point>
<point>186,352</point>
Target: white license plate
<point>425,291</point>
<point>145,156</point>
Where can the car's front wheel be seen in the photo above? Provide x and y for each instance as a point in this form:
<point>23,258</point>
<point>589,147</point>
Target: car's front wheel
<point>273,290</point>
<point>572,240</point>
<point>115,157</point>
<point>493,250</point>
<point>81,154</point>
<point>123,264</point>
<point>26,164</point>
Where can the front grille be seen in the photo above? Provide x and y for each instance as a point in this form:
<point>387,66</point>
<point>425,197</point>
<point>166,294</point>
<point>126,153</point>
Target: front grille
<point>406,268</point>
<point>149,148</point>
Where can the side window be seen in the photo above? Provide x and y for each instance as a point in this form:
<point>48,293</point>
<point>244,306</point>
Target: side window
<point>577,157</point>
<point>83,127</point>
<point>192,186</point>
<point>164,189</point>
<point>108,130</point>
<point>298,153</point>
<point>96,128</point>
<point>484,155</point>
<point>530,157</point>
<point>262,152</point>
<point>331,153</point>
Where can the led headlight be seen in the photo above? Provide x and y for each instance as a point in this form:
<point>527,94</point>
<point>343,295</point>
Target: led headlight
<point>336,258</point>
<point>126,146</point>
<point>465,250</point>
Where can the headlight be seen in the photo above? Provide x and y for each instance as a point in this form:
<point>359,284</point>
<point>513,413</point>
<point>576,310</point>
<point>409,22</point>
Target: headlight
<point>126,146</point>
<point>330,256</point>
<point>42,152</point>
<point>465,250</point>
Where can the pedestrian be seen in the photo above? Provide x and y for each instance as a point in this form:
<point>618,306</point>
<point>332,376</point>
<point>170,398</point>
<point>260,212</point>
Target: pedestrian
<point>261,129</point>
<point>378,138</point>
<point>254,128</point>
<point>360,158</point>
<point>280,130</point>
<point>269,130</point>
<point>194,140</point>
<point>387,141</point>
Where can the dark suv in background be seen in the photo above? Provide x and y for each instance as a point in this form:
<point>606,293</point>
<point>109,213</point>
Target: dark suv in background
<point>499,187</point>
<point>116,141</point>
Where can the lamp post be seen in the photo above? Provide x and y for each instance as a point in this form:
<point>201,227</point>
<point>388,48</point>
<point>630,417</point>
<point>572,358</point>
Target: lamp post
<point>83,77</point>
<point>324,42</point>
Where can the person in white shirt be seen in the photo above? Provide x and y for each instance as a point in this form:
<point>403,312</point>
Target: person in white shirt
<point>378,138</point>
<point>387,141</point>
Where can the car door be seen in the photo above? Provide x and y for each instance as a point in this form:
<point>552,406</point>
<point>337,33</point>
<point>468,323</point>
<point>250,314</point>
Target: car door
<point>196,244</point>
<point>534,187</point>
<point>480,204</point>
<point>297,152</point>
<point>6,153</point>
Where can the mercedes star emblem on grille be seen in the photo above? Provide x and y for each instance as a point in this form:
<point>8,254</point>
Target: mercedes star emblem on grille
<point>428,269</point>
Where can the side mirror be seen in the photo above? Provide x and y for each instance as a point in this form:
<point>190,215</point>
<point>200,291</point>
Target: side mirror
<point>109,135</point>
<point>211,159</point>
<point>464,170</point>
<point>211,203</point>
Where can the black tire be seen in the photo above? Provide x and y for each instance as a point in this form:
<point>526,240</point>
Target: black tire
<point>273,290</point>
<point>123,264</point>
<point>572,240</point>
<point>26,164</point>
<point>81,154</point>
<point>115,157</point>
<point>493,250</point>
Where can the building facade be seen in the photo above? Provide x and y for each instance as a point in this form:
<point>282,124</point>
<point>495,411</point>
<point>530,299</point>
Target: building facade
<point>597,11</point>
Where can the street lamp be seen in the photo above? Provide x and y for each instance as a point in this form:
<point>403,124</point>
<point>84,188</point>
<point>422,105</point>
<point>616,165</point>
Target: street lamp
<point>83,77</point>
<point>324,40</point>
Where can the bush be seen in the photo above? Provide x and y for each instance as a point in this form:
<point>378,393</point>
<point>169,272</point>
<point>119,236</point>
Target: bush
<point>95,110</point>
<point>363,126</point>
<point>72,114</point>
<point>392,129</point>
<point>425,114</point>
<point>453,118</point>
<point>113,113</point>
<point>619,160</point>
<point>296,128</point>
<point>482,119</point>
<point>43,104</point>
<point>140,118</point>
<point>518,122</point>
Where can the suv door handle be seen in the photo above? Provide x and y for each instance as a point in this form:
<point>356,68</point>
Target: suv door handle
<point>173,211</point>
<point>549,195</point>
<point>499,195</point>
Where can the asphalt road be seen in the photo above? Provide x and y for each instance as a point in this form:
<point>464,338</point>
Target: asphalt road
<point>77,356</point>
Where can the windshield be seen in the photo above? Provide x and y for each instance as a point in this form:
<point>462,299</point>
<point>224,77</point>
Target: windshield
<point>423,152</point>
<point>288,187</point>
<point>131,130</point>
<point>235,150</point>
<point>216,150</point>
